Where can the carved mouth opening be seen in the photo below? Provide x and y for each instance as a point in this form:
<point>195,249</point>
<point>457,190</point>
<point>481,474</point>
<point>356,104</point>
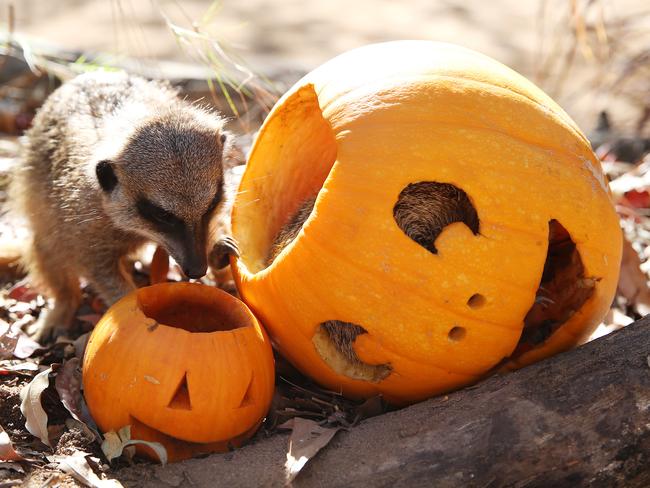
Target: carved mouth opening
<point>334,342</point>
<point>424,209</point>
<point>562,291</point>
<point>185,306</point>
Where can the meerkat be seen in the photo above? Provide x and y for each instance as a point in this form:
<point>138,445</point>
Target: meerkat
<point>114,161</point>
<point>422,211</point>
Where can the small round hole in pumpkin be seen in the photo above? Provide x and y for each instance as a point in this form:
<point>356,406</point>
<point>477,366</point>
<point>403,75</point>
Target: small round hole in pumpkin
<point>192,308</point>
<point>476,301</point>
<point>457,333</point>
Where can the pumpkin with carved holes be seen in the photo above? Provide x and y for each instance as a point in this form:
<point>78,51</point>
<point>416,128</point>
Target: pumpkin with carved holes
<point>184,364</point>
<point>415,215</point>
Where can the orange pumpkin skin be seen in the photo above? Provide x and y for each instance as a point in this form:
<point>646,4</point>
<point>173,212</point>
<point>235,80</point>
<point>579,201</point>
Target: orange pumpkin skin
<point>195,392</point>
<point>358,130</point>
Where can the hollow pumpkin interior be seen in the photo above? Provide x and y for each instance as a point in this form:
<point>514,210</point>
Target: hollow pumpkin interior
<point>193,308</point>
<point>298,158</point>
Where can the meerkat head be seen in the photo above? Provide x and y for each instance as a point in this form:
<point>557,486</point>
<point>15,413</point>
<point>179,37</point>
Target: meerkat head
<point>166,182</point>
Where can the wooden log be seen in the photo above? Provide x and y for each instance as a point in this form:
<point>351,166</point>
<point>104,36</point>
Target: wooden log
<point>579,419</point>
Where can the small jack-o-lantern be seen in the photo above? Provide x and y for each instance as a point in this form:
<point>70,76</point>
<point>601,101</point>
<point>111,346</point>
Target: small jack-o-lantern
<point>415,215</point>
<point>184,364</point>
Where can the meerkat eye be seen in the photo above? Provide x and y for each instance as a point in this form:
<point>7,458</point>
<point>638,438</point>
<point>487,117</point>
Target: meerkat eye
<point>106,175</point>
<point>157,215</point>
<point>223,138</point>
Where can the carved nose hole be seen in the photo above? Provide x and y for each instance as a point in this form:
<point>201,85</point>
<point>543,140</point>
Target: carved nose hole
<point>181,398</point>
<point>424,209</point>
<point>457,334</point>
<point>476,301</point>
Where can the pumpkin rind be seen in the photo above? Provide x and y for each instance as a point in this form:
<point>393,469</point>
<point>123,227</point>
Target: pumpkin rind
<point>360,129</point>
<point>134,366</point>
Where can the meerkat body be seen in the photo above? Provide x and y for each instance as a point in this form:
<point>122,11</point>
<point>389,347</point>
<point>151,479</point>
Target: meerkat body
<point>113,161</point>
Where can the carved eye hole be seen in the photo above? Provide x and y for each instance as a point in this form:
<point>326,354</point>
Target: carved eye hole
<point>248,396</point>
<point>424,209</point>
<point>181,398</point>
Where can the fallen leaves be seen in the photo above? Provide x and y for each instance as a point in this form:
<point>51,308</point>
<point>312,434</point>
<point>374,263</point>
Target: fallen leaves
<point>14,342</point>
<point>31,408</point>
<point>7,451</point>
<point>68,386</point>
<point>115,442</point>
<point>307,438</point>
<point>77,466</point>
<point>633,282</point>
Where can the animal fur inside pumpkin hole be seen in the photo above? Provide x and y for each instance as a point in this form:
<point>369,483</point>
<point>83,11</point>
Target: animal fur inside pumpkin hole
<point>424,209</point>
<point>334,341</point>
<point>563,289</point>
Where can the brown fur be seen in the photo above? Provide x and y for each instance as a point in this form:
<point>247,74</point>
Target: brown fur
<point>424,209</point>
<point>157,146</point>
<point>290,231</point>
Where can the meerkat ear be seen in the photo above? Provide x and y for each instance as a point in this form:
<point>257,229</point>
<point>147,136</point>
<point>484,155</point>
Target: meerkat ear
<point>106,175</point>
<point>223,138</point>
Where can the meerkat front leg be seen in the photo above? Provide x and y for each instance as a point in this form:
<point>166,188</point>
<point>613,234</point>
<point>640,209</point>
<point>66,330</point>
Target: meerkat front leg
<point>107,274</point>
<point>62,286</point>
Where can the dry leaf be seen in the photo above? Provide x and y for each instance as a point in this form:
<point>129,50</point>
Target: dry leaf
<point>8,343</point>
<point>22,292</point>
<point>76,465</point>
<point>307,438</point>
<point>14,342</point>
<point>632,283</point>
<point>7,451</point>
<point>8,367</point>
<point>31,408</point>
<point>13,466</point>
<point>26,346</point>
<point>80,345</point>
<point>115,442</point>
<point>68,385</point>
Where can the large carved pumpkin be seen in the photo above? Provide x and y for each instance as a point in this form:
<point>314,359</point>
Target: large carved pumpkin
<point>184,364</point>
<point>460,223</point>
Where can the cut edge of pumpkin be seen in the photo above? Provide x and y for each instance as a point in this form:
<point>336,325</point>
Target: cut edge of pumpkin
<point>193,307</point>
<point>301,164</point>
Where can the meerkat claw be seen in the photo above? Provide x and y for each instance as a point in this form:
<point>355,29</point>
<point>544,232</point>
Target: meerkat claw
<point>221,251</point>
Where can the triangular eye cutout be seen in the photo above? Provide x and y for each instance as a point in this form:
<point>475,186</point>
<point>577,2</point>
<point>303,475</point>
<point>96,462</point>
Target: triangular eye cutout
<point>248,396</point>
<point>181,398</point>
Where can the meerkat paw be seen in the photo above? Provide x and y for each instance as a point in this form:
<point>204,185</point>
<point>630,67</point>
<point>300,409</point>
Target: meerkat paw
<point>52,323</point>
<point>219,256</point>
